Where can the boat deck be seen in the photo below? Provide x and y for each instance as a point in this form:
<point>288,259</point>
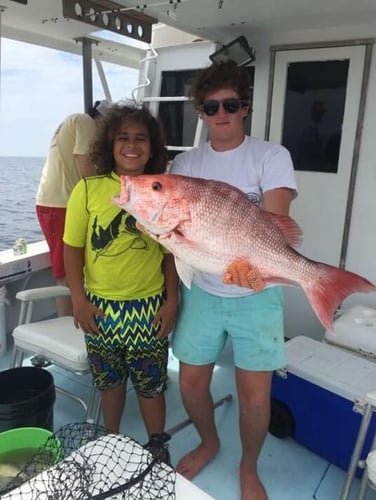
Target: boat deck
<point>288,470</point>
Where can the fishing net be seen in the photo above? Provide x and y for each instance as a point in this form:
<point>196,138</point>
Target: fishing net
<point>83,462</point>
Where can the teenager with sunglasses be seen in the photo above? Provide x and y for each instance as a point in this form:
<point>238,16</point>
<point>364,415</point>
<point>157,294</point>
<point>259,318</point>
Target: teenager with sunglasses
<point>216,308</point>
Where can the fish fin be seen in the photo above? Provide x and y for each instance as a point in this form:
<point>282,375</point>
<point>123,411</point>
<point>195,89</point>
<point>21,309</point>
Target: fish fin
<point>184,271</point>
<point>328,292</point>
<point>240,272</point>
<point>290,229</point>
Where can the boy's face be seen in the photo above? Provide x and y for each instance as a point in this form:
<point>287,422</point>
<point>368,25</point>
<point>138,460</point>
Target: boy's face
<point>225,127</point>
<point>131,149</point>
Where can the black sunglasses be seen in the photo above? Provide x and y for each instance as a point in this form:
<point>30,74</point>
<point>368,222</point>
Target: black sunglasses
<point>231,105</point>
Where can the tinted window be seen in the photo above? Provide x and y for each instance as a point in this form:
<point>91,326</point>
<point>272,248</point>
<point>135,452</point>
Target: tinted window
<point>313,115</point>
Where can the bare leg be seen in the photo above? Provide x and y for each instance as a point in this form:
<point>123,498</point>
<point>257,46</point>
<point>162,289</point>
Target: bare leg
<point>254,415</point>
<point>64,304</point>
<point>113,402</point>
<point>195,389</point>
<point>153,411</point>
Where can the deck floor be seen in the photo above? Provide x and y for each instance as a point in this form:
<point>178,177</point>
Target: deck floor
<point>288,470</point>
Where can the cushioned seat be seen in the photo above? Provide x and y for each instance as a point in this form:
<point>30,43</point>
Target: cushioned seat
<point>55,340</point>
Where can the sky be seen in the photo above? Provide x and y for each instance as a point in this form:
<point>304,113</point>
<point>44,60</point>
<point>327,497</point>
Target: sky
<point>40,87</point>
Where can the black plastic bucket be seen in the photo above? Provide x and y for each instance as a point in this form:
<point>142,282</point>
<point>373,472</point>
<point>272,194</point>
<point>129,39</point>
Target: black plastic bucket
<point>27,397</point>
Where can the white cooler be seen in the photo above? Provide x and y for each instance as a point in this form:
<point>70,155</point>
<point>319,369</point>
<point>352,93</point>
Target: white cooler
<point>355,330</point>
<point>316,398</point>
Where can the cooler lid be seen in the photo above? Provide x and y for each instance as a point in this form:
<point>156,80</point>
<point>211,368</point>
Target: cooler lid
<point>332,368</point>
<point>355,329</point>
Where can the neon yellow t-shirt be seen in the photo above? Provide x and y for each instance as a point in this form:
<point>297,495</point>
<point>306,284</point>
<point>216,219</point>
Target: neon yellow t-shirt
<point>121,263</point>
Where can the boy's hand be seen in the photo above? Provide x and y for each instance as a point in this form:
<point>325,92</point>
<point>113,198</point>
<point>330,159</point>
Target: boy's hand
<point>165,318</point>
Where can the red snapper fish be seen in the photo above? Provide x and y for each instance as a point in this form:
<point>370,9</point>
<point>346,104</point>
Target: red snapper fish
<point>207,225</point>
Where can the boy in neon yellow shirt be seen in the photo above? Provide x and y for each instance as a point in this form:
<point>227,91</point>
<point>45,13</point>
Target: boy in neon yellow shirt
<point>124,285</point>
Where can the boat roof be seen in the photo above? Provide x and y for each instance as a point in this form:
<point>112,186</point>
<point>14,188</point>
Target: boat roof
<point>174,21</point>
<point>223,20</point>
<point>46,24</point>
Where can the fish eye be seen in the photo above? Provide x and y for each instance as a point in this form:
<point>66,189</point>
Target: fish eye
<point>157,186</point>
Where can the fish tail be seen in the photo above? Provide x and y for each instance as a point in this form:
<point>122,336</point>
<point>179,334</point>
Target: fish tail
<point>328,291</point>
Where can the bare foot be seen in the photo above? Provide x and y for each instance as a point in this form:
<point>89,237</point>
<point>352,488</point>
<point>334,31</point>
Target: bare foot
<point>251,486</point>
<point>194,461</point>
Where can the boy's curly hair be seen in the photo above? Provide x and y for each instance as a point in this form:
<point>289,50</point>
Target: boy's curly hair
<point>101,149</point>
<point>221,75</point>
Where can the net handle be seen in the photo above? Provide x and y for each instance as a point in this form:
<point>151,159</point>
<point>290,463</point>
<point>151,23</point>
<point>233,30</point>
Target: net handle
<point>127,485</point>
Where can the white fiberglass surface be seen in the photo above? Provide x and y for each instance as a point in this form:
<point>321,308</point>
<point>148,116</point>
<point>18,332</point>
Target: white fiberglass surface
<point>288,470</point>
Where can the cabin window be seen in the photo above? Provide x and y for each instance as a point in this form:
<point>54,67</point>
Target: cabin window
<point>314,109</point>
<point>179,119</point>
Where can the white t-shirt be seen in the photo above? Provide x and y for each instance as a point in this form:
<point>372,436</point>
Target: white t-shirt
<point>61,170</point>
<point>255,167</point>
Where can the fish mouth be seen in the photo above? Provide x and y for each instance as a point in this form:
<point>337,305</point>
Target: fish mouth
<point>122,199</point>
<point>125,196</point>
<point>116,199</point>
<point>127,199</point>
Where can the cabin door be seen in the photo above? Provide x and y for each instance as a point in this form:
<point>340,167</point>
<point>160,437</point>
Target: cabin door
<point>313,109</point>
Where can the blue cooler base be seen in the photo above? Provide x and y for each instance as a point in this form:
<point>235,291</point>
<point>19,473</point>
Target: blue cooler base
<point>325,422</point>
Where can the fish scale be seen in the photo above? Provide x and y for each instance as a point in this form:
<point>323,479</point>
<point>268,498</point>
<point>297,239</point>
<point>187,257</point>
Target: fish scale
<point>208,225</point>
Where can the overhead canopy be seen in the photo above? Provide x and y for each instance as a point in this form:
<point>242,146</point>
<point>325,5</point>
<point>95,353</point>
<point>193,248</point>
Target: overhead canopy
<point>111,16</point>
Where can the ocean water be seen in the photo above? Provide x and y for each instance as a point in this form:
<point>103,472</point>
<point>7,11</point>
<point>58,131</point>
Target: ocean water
<point>19,179</point>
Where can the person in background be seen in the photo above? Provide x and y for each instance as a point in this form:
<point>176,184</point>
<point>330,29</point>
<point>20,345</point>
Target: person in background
<point>66,163</point>
<point>214,308</point>
<point>124,285</point>
<point>311,148</point>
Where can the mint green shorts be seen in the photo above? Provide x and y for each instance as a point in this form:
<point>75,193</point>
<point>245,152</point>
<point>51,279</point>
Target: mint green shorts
<point>254,323</point>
